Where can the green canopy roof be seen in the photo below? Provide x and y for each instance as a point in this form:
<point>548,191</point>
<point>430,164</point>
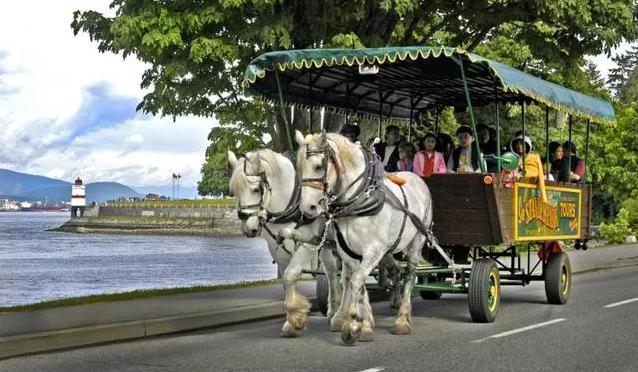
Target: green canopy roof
<point>409,80</point>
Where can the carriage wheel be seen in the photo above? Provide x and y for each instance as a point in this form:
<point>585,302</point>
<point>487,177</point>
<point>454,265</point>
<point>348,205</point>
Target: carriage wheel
<point>558,279</point>
<point>323,288</point>
<point>484,293</point>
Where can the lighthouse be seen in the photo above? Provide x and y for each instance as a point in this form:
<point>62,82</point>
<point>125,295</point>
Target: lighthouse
<point>78,198</point>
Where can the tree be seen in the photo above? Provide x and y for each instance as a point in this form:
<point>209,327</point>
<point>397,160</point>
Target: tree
<point>623,79</point>
<point>197,51</point>
<point>614,157</point>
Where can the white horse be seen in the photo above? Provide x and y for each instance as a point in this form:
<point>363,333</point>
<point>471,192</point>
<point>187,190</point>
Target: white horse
<point>331,168</point>
<point>263,184</point>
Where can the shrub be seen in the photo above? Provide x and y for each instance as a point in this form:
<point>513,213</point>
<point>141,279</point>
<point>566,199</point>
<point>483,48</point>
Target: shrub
<point>617,231</point>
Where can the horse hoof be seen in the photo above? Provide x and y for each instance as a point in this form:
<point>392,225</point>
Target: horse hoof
<point>336,324</point>
<point>348,338</point>
<point>289,331</point>
<point>348,335</point>
<point>367,335</point>
<point>402,328</point>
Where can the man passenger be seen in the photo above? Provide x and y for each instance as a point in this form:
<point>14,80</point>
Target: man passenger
<point>388,151</point>
<point>465,158</point>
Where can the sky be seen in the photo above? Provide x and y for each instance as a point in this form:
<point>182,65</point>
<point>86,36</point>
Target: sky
<point>68,111</point>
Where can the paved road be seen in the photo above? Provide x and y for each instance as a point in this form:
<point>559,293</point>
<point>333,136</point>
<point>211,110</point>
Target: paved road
<point>583,335</point>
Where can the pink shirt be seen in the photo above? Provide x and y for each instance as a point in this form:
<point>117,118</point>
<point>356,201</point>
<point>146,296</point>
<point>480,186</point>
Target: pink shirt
<point>419,162</point>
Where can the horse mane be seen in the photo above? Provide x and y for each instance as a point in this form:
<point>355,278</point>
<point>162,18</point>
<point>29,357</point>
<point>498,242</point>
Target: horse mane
<point>264,155</point>
<point>343,150</point>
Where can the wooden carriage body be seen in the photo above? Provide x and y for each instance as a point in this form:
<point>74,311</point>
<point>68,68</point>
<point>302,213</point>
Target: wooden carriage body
<point>478,210</point>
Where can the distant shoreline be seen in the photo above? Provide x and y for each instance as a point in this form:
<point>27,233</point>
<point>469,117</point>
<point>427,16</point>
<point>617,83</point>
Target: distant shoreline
<point>80,228</point>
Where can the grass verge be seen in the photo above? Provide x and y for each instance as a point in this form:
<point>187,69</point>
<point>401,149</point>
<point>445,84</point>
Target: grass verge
<point>133,295</point>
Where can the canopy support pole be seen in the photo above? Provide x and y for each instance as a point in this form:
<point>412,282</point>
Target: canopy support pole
<point>547,157</point>
<point>569,160</point>
<point>586,149</point>
<point>380,112</point>
<point>310,111</point>
<point>498,132</point>
<point>469,105</point>
<point>410,125</point>
<point>436,122</point>
<point>283,112</point>
<point>523,125</point>
<point>347,104</point>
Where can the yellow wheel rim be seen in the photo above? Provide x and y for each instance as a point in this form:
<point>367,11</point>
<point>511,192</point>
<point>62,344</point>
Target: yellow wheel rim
<point>493,293</point>
<point>564,280</point>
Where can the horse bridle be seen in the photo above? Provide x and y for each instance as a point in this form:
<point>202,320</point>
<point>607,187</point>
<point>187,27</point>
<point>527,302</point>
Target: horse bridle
<point>242,214</point>
<point>321,183</point>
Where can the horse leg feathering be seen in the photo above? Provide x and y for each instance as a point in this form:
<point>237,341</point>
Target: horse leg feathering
<point>403,322</point>
<point>296,305</point>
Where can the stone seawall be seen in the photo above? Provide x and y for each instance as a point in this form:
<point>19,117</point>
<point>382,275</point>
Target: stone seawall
<point>210,211</point>
<point>209,220</point>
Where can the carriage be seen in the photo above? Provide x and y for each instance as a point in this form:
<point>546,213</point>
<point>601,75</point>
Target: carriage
<point>496,221</point>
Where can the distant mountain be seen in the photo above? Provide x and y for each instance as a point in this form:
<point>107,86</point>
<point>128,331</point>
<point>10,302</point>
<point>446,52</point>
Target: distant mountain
<point>16,185</point>
<point>95,192</point>
<point>184,192</point>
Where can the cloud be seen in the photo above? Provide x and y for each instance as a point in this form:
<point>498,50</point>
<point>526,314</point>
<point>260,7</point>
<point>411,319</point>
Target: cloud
<point>100,109</point>
<point>135,139</point>
<point>68,110</point>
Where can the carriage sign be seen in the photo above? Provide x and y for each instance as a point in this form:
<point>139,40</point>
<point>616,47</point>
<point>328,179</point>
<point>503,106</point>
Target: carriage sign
<point>558,218</point>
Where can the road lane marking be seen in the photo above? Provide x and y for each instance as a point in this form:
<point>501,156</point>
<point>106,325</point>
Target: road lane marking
<point>519,330</point>
<point>375,369</point>
<point>621,303</point>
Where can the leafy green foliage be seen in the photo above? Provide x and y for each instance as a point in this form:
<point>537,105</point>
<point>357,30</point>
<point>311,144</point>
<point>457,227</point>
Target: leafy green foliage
<point>614,156</point>
<point>617,231</point>
<point>623,79</point>
<point>197,51</point>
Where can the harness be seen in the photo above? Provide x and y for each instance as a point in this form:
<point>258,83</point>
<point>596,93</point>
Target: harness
<point>367,200</point>
<point>290,214</point>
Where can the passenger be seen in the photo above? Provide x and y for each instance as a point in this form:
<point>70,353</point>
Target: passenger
<point>578,165</point>
<point>465,158</point>
<point>429,161</point>
<point>487,145</point>
<point>388,151</point>
<point>351,132</point>
<point>555,160</point>
<point>444,145</point>
<point>406,154</point>
<point>533,167</point>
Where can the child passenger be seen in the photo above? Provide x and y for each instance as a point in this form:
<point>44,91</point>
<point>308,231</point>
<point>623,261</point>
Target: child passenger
<point>532,167</point>
<point>465,158</point>
<point>406,153</point>
<point>429,161</point>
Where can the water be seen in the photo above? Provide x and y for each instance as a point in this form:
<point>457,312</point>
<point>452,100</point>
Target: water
<point>37,265</point>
